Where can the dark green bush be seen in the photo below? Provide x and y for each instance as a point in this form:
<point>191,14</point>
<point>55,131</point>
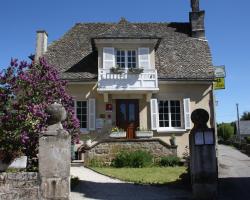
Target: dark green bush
<point>169,161</point>
<point>122,159</point>
<point>135,159</point>
<point>247,139</point>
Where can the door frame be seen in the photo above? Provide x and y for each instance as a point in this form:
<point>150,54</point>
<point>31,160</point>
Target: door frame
<point>137,113</point>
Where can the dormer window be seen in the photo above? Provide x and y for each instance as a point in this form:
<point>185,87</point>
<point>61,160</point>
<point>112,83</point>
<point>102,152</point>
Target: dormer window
<point>126,58</point>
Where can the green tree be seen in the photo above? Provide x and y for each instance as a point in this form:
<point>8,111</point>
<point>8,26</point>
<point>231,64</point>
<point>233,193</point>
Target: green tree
<point>225,131</point>
<point>245,116</point>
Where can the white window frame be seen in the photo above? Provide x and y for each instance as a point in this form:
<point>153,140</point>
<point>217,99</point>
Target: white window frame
<point>85,130</point>
<point>170,128</point>
<point>126,57</point>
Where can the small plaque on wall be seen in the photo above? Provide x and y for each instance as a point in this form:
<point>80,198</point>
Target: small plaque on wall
<point>204,138</point>
<point>109,107</point>
<point>199,138</point>
<point>209,137</point>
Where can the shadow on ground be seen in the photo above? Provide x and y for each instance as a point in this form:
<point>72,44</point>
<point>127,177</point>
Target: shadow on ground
<point>234,188</point>
<point>124,191</point>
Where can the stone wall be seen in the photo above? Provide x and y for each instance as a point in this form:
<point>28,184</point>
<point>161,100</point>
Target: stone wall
<point>106,150</point>
<point>19,186</point>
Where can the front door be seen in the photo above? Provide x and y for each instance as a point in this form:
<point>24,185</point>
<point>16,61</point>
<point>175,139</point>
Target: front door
<point>127,115</point>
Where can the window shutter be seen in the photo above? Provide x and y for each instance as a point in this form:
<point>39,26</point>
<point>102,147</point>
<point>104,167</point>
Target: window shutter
<point>144,58</point>
<point>154,114</point>
<point>108,57</point>
<point>91,106</point>
<point>187,113</point>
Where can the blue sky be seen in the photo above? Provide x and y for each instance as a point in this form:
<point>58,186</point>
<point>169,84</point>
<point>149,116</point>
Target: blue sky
<point>227,30</point>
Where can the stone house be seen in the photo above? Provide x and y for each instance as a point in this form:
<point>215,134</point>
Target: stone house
<point>130,75</point>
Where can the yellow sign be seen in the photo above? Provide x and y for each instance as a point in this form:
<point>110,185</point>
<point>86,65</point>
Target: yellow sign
<point>219,83</point>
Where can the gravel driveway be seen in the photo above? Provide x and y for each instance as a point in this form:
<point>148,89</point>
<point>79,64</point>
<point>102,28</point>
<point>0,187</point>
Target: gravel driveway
<point>95,186</point>
<point>234,174</point>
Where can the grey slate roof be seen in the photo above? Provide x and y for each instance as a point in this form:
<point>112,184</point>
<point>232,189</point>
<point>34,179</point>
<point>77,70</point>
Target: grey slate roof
<point>178,56</point>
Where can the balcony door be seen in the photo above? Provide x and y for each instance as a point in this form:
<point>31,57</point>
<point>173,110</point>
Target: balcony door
<point>127,115</point>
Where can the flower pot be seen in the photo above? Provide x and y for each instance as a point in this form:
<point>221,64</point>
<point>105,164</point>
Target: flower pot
<point>118,134</point>
<point>88,143</point>
<point>172,141</point>
<point>143,134</point>
<point>135,70</point>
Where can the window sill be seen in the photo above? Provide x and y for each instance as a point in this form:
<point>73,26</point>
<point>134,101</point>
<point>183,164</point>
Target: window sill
<point>172,130</point>
<point>84,131</point>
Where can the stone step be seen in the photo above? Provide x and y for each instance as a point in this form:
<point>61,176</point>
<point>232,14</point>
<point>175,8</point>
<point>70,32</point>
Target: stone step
<point>77,163</point>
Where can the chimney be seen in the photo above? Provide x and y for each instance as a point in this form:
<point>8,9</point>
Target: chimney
<point>41,43</point>
<point>196,18</point>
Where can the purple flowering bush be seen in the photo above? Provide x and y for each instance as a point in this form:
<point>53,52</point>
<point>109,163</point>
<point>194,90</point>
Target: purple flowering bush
<point>25,92</point>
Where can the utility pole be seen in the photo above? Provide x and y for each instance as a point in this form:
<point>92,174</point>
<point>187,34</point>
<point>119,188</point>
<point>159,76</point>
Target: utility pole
<point>238,119</point>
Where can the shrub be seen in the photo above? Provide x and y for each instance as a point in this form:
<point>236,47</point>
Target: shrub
<point>121,159</point>
<point>135,159</point>
<point>140,159</point>
<point>247,139</point>
<point>94,162</point>
<point>169,161</point>
<point>25,92</point>
<point>225,131</point>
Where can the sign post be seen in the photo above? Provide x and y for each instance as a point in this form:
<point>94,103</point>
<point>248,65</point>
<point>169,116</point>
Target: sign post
<point>220,74</point>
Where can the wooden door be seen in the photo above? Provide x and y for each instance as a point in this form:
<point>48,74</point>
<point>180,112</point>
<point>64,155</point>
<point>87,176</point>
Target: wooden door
<point>127,116</point>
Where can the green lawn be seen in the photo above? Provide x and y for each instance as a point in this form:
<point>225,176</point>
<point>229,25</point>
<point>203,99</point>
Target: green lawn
<point>151,175</point>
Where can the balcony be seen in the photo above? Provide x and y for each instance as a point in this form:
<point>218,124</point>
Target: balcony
<point>146,81</point>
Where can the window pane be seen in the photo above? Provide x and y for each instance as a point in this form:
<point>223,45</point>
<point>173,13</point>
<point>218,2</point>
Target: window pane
<point>131,59</point>
<point>120,58</point>
<point>84,118</point>
<point>173,123</point>
<point>178,117</point>
<point>161,124</point>
<point>177,109</point>
<point>82,113</point>
<point>163,114</point>
<point>122,112</point>
<point>78,104</point>
<point>131,114</point>
<point>175,114</point>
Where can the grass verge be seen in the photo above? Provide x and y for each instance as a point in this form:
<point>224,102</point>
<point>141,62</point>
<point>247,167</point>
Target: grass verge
<point>148,175</point>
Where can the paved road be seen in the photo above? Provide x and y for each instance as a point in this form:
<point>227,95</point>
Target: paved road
<point>94,186</point>
<point>234,174</point>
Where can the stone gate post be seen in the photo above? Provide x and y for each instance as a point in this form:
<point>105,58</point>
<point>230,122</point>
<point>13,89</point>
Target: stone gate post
<point>203,160</point>
<point>55,157</point>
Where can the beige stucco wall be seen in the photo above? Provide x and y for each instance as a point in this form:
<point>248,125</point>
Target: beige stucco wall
<point>200,97</point>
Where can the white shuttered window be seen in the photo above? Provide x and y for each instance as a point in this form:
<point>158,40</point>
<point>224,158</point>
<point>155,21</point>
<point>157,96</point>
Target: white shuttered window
<point>187,113</point>
<point>154,114</point>
<point>144,58</point>
<point>108,57</point>
<point>92,112</point>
